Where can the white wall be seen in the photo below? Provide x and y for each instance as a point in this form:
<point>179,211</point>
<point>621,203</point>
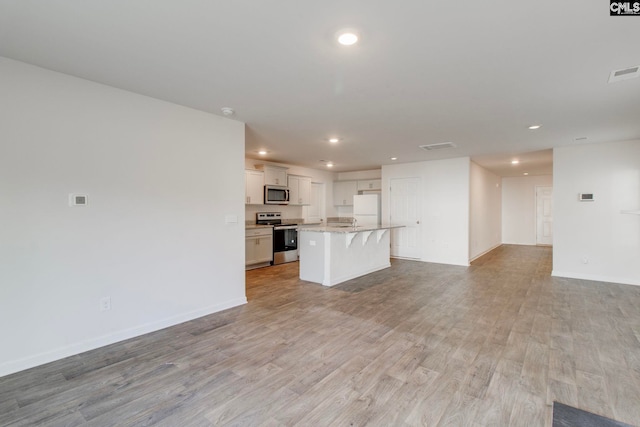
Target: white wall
<point>485,224</point>
<point>444,233</point>
<point>594,240</point>
<point>160,180</point>
<point>519,208</point>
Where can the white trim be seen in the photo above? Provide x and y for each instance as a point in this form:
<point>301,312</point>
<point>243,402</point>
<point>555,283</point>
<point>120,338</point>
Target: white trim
<point>13,366</point>
<point>596,278</point>
<point>406,257</point>
<point>485,252</point>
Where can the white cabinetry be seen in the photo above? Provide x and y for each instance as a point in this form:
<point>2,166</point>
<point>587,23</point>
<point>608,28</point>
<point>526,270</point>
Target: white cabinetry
<point>299,190</point>
<point>343,192</point>
<point>370,184</point>
<point>274,175</point>
<point>253,187</point>
<point>258,246</point>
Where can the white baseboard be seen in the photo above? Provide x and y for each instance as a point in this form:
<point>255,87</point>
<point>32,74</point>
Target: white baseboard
<point>596,278</point>
<point>485,252</point>
<point>13,366</point>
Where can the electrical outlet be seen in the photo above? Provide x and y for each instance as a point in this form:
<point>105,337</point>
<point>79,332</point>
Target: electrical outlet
<point>105,303</point>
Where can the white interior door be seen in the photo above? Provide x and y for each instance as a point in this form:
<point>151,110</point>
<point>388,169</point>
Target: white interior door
<point>544,215</point>
<point>404,204</point>
<point>315,210</point>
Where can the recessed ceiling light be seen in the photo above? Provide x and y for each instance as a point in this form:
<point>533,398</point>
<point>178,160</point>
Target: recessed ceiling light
<point>333,140</point>
<point>227,111</point>
<point>329,165</point>
<point>515,162</point>
<point>347,38</point>
<point>534,127</point>
<point>526,173</point>
<point>262,152</point>
<point>394,158</point>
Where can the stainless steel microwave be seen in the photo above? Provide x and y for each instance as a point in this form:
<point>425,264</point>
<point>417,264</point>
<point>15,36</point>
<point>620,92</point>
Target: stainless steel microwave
<point>276,195</point>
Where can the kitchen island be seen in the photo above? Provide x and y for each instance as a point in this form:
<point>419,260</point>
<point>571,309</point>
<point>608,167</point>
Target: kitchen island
<point>332,255</point>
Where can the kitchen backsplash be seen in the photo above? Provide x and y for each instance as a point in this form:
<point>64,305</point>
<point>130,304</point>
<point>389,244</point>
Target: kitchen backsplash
<point>288,212</point>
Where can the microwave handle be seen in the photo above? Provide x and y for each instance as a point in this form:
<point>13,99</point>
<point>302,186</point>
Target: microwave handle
<point>287,194</point>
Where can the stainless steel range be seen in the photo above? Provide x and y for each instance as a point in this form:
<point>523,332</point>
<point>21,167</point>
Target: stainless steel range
<point>285,237</point>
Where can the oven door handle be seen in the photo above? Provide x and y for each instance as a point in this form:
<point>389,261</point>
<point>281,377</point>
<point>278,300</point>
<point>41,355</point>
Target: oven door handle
<point>285,227</point>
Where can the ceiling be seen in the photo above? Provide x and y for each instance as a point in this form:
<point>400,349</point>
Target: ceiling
<point>477,74</point>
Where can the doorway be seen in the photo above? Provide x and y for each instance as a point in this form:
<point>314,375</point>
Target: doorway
<point>544,216</point>
<point>315,212</point>
<point>404,204</point>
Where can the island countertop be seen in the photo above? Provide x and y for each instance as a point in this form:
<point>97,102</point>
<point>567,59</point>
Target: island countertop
<point>346,229</point>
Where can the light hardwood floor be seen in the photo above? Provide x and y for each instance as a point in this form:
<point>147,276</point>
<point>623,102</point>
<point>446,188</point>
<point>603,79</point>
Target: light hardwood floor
<point>416,344</point>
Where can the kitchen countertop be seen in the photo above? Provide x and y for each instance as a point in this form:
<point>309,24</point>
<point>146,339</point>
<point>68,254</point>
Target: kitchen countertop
<point>347,229</point>
<point>284,222</point>
<point>252,226</point>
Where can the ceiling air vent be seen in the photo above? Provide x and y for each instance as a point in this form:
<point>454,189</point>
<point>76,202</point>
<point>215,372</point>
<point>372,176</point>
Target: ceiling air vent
<point>438,146</point>
<point>626,74</point>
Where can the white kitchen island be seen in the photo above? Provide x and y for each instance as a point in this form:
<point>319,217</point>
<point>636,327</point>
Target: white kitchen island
<point>332,255</point>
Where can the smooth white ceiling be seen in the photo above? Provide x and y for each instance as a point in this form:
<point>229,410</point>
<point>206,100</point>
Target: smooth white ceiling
<point>474,73</point>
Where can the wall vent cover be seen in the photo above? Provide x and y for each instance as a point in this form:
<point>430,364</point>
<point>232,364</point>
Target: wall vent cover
<point>438,146</point>
<point>624,74</point>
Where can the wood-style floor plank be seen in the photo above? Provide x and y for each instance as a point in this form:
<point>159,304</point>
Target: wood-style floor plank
<point>417,344</point>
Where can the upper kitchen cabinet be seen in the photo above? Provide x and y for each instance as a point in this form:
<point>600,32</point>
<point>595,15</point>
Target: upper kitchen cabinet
<point>274,175</point>
<point>370,184</point>
<point>343,192</point>
<point>299,190</point>
<point>253,187</point>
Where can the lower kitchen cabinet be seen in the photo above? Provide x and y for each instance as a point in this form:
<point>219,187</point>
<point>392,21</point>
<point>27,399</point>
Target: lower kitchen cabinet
<point>258,247</point>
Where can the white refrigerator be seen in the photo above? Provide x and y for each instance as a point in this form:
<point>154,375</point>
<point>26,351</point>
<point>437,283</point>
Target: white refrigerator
<point>366,209</point>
